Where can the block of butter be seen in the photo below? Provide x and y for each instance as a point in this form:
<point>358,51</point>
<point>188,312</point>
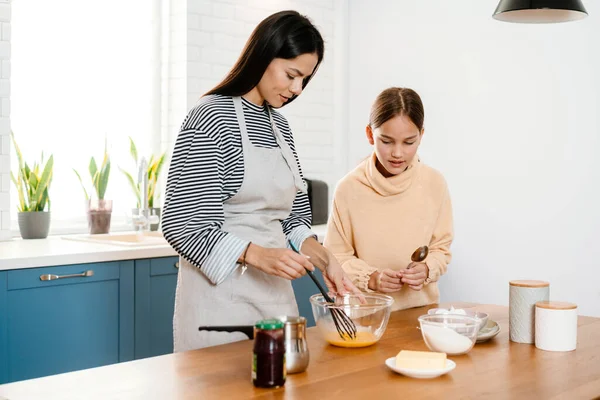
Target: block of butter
<point>420,360</point>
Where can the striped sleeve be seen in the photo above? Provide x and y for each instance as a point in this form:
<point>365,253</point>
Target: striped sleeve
<point>193,208</point>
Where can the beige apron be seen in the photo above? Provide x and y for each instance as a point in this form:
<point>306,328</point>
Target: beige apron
<point>254,213</point>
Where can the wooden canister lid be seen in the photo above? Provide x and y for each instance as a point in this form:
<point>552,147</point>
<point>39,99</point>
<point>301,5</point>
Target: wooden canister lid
<point>556,305</point>
<point>530,284</point>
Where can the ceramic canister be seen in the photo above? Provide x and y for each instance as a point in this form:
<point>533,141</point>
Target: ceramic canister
<point>555,326</point>
<point>522,298</point>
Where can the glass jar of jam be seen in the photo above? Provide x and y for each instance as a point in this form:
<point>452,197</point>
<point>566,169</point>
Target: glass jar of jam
<point>268,365</point>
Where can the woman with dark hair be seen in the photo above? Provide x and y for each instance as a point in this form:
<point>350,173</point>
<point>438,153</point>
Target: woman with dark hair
<point>235,194</point>
<point>390,205</point>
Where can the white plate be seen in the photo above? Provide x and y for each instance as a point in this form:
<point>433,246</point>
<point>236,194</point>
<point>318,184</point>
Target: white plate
<point>489,331</point>
<point>420,373</point>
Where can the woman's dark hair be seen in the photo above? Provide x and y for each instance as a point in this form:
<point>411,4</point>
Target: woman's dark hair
<point>285,34</point>
<point>396,101</point>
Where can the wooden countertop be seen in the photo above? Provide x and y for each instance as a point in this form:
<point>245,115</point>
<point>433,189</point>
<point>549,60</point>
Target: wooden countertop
<point>496,369</point>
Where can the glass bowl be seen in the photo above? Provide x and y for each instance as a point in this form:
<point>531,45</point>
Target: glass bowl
<point>449,333</point>
<point>481,316</point>
<point>370,318</point>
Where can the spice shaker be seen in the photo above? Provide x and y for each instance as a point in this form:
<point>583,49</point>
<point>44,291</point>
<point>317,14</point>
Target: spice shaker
<point>268,364</point>
<point>296,347</point>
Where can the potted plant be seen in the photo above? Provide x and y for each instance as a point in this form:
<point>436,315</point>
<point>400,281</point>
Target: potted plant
<point>32,187</point>
<point>153,171</point>
<point>99,210</point>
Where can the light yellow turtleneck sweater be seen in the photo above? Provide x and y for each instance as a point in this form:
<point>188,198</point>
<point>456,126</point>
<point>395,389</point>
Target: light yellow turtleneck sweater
<point>378,222</point>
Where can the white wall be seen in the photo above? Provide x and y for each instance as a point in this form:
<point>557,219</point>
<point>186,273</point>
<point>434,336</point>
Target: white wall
<point>213,33</point>
<point>513,122</point>
<point>4,121</point>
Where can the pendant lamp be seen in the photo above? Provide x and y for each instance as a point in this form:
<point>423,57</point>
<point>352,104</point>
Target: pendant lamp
<point>539,11</point>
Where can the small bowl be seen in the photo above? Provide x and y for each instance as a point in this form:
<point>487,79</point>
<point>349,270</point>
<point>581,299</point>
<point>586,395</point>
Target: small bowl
<point>449,333</point>
<point>371,318</point>
<point>481,316</point>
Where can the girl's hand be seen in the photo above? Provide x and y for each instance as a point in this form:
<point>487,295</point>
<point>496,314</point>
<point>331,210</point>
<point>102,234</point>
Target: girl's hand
<point>386,281</point>
<point>414,275</point>
<point>337,281</point>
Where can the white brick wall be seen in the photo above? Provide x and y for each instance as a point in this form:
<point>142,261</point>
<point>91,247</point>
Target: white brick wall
<point>216,31</point>
<point>4,121</point>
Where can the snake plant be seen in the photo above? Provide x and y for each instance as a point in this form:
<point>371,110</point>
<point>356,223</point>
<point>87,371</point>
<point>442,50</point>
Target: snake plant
<point>32,183</point>
<point>99,176</point>
<point>154,168</point>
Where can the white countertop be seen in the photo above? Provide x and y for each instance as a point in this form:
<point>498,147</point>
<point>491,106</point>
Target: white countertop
<point>56,250</point>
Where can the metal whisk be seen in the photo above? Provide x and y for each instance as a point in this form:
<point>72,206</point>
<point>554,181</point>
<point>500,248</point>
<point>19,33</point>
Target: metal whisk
<point>344,325</point>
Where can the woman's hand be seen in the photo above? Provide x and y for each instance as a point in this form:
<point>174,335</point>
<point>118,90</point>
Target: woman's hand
<point>414,275</point>
<point>284,263</point>
<point>386,281</point>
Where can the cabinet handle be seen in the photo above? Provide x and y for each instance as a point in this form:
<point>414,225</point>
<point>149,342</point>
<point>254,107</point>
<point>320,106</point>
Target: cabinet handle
<point>176,265</point>
<point>51,277</point>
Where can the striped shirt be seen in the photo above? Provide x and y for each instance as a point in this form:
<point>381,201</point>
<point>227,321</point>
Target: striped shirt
<point>207,168</point>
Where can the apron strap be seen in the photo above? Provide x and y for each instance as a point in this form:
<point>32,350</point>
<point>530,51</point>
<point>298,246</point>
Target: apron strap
<point>239,111</point>
<point>288,155</point>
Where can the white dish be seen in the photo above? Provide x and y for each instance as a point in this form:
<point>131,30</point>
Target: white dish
<point>490,330</point>
<point>420,373</point>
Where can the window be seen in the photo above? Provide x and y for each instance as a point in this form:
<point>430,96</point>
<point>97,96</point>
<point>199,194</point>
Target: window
<point>83,71</point>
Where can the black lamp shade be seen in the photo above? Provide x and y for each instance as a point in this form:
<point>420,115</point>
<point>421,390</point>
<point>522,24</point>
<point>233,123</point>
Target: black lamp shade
<point>539,11</point>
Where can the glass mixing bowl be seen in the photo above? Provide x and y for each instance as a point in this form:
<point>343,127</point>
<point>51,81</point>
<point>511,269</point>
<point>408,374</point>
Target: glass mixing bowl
<point>370,318</point>
<point>449,333</point>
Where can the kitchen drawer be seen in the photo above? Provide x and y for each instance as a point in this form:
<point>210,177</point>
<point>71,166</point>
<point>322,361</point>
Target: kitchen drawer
<point>30,278</point>
<point>164,266</point>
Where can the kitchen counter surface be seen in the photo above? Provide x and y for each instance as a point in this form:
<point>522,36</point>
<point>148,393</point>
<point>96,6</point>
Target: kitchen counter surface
<point>56,250</point>
<point>496,369</point>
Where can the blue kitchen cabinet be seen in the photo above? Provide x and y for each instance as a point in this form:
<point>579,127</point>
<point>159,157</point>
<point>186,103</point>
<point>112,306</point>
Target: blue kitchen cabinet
<point>124,311</point>
<point>155,282</point>
<point>66,324</point>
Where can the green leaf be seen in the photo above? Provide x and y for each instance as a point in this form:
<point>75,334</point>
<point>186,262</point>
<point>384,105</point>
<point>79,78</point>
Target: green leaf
<point>21,190</point>
<point>44,182</point>
<point>153,175</point>
<point>42,203</point>
<point>160,164</point>
<point>134,186</point>
<point>33,181</point>
<point>103,178</point>
<point>32,184</point>
<point>87,197</point>
<point>17,150</point>
<point>93,168</point>
<point>151,187</point>
<point>133,150</point>
<point>26,171</point>
<point>13,179</point>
